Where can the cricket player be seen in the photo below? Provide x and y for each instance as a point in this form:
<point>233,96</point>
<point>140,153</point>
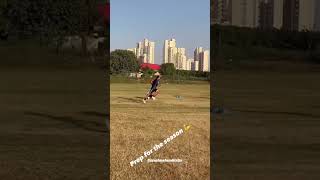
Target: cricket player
<point>153,92</point>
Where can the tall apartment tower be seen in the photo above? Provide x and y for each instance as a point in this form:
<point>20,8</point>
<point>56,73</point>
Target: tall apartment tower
<point>277,13</point>
<point>189,64</point>
<point>307,14</point>
<point>221,11</point>
<point>169,50</point>
<point>204,61</point>
<point>197,52</point>
<point>299,15</point>
<point>196,63</point>
<point>317,16</point>
<point>150,52</point>
<point>195,66</point>
<point>270,14</point>
<point>147,51</point>
<point>266,14</point>
<point>249,13</point>
<point>172,54</point>
<point>291,15</point>
<point>244,13</point>
<point>180,61</point>
<point>144,51</point>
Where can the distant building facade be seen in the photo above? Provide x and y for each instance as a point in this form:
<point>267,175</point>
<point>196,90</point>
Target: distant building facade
<point>317,16</point>
<point>189,64</point>
<point>144,51</point>
<point>169,50</point>
<point>196,57</point>
<point>204,62</point>
<point>221,12</point>
<point>244,13</point>
<point>195,66</point>
<point>201,60</point>
<point>266,14</point>
<point>306,14</point>
<point>174,55</point>
<point>277,13</point>
<point>291,15</point>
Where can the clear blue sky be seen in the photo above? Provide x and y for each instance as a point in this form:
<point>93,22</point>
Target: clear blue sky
<point>188,21</point>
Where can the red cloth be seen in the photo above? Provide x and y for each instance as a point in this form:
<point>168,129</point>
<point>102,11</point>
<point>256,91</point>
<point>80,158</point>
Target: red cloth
<point>150,66</point>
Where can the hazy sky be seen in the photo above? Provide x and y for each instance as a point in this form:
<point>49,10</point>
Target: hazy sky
<point>188,21</point>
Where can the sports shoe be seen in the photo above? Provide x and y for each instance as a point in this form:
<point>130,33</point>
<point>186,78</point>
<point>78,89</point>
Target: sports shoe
<point>153,98</point>
<point>144,101</point>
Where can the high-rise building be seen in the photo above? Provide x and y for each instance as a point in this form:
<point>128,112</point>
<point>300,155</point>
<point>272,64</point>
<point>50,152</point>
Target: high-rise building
<point>317,16</point>
<point>266,14</point>
<point>249,13</point>
<point>300,15</point>
<point>291,15</point>
<point>173,54</point>
<point>189,64</point>
<point>244,13</point>
<point>306,14</point>
<point>201,60</point>
<point>180,62</point>
<point>277,13</point>
<point>195,66</point>
<point>150,52</point>
<point>144,51</point>
<point>169,50</point>
<point>197,52</point>
<point>221,11</point>
<point>196,56</point>
<point>204,63</point>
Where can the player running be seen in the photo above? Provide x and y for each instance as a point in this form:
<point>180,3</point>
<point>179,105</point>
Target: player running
<point>153,92</point>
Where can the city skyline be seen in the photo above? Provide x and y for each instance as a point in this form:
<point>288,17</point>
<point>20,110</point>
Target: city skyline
<point>158,21</point>
<point>198,61</point>
<point>295,15</point>
<point>144,51</point>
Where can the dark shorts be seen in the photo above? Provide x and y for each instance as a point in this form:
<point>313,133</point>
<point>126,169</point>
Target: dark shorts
<point>153,90</point>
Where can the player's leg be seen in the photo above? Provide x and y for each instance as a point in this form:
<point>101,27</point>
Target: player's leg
<point>147,96</point>
<point>154,94</point>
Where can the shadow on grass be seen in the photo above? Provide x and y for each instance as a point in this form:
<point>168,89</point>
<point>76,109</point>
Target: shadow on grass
<point>94,113</point>
<point>135,99</point>
<point>86,125</point>
<point>279,112</point>
<point>105,116</point>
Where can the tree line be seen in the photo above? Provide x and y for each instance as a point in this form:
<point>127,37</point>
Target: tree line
<point>257,43</point>
<point>48,20</point>
<point>123,62</point>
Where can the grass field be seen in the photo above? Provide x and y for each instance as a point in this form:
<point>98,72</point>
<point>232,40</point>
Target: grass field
<point>52,123</point>
<point>137,127</point>
<point>271,125</point>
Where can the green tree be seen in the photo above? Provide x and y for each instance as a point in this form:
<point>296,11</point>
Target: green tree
<point>123,61</point>
<point>52,20</point>
<point>147,72</point>
<point>47,19</point>
<point>168,69</point>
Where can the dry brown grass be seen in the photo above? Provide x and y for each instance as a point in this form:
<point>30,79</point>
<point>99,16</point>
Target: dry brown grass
<point>137,127</point>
